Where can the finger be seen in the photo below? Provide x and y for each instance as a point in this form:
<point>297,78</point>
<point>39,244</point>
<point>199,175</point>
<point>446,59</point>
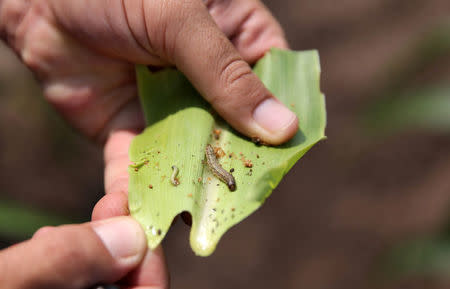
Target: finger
<point>111,205</point>
<point>117,161</point>
<point>217,70</point>
<point>249,24</point>
<point>153,269</point>
<point>152,272</point>
<point>74,256</point>
<point>115,202</point>
<point>183,33</point>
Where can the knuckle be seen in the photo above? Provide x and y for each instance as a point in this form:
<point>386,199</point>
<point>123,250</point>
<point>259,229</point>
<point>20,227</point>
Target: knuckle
<point>15,13</point>
<point>235,76</point>
<point>41,49</point>
<point>43,232</point>
<point>242,88</point>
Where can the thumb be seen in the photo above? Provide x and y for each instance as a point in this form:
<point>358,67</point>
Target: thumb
<point>211,62</point>
<point>74,256</point>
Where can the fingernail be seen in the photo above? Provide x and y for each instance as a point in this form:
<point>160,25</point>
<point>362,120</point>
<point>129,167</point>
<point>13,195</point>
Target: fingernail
<point>122,236</point>
<point>273,116</point>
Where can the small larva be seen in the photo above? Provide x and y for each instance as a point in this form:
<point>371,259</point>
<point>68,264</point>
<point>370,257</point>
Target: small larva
<point>139,164</point>
<point>173,178</point>
<point>217,169</point>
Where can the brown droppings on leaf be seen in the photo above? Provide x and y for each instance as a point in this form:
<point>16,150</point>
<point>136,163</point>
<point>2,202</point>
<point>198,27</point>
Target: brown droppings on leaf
<point>217,133</point>
<point>219,152</point>
<point>232,155</point>
<point>256,140</point>
<point>259,142</point>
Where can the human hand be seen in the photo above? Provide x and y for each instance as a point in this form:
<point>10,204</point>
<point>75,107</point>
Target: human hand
<point>81,256</point>
<point>83,53</point>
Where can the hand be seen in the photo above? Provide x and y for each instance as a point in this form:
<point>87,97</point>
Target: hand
<point>83,53</point>
<point>81,256</point>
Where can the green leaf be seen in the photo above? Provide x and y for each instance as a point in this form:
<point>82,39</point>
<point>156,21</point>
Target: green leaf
<point>181,124</point>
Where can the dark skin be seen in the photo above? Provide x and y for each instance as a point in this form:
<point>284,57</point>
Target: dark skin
<point>83,54</point>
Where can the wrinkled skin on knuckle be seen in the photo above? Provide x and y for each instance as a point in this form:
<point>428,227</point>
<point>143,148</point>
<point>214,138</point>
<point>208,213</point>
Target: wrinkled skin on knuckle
<point>233,82</point>
<point>242,88</point>
<point>234,72</point>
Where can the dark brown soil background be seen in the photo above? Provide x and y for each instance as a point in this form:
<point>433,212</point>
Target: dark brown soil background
<point>346,202</point>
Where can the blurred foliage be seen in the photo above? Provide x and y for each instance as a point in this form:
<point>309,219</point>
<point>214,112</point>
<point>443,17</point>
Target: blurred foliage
<point>427,108</point>
<point>433,47</point>
<point>20,222</point>
<point>399,106</point>
<point>427,256</point>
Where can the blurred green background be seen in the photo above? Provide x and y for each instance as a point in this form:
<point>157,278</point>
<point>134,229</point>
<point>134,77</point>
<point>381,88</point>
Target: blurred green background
<point>367,208</point>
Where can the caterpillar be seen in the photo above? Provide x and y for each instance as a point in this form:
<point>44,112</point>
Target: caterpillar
<point>173,177</point>
<point>217,169</point>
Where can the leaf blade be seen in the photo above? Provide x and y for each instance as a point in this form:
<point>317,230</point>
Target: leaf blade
<point>179,131</point>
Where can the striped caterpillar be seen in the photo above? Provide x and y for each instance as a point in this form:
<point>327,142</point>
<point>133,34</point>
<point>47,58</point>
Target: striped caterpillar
<point>217,169</point>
